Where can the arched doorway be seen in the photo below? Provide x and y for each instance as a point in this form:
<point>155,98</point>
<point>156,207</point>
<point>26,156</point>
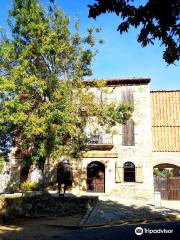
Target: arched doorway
<point>167,181</point>
<point>96,177</point>
<point>64,175</point>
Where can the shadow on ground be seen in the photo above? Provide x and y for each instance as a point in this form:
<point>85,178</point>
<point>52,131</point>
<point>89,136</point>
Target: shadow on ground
<point>105,212</point>
<point>111,212</point>
<point>41,216</point>
<point>38,228</point>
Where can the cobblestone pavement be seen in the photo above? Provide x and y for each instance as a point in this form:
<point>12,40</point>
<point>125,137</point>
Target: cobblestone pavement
<point>112,209</point>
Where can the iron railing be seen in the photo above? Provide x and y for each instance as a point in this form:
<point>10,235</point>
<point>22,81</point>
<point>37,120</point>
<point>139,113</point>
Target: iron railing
<point>100,139</point>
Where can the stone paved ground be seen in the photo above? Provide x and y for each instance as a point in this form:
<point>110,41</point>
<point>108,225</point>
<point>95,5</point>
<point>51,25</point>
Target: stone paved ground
<point>112,209</point>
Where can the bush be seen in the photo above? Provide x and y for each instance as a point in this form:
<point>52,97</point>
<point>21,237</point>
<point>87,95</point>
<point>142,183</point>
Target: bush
<point>157,172</point>
<point>1,163</point>
<point>29,186</point>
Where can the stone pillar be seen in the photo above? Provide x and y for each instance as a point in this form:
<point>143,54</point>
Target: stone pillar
<point>9,178</point>
<point>36,174</point>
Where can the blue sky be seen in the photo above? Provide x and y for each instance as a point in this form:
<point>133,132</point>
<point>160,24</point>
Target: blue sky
<point>121,56</point>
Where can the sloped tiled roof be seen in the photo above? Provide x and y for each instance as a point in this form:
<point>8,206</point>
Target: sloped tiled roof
<point>166,120</point>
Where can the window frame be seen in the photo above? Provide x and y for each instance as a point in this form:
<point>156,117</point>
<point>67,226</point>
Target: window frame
<point>129,172</point>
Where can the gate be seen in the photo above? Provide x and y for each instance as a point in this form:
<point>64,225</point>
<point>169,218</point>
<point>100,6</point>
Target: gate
<point>169,187</point>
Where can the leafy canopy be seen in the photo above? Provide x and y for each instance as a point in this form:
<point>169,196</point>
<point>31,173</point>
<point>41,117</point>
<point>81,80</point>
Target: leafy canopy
<point>157,19</point>
<point>43,95</point>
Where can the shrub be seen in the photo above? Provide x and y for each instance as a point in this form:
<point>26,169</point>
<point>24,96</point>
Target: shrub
<point>157,172</point>
<point>172,172</point>
<point>29,186</point>
<point>1,163</point>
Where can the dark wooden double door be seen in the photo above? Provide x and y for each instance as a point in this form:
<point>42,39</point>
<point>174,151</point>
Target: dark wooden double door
<point>96,177</point>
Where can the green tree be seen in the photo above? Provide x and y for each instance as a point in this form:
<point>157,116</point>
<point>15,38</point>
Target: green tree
<point>157,20</point>
<point>1,164</point>
<point>43,92</point>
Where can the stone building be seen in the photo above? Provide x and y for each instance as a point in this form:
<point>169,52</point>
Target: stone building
<point>122,163</point>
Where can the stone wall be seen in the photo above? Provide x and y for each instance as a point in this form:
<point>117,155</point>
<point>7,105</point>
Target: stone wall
<point>10,175</point>
<point>9,178</point>
<point>44,206</point>
<point>4,177</point>
<point>139,154</point>
<point>166,157</point>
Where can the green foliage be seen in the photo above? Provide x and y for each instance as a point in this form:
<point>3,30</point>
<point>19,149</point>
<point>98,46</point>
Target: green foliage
<point>29,186</point>
<point>164,172</point>
<point>111,114</point>
<point>157,172</point>
<point>172,172</point>
<point>123,112</point>
<point>1,163</point>
<point>155,20</point>
<point>43,93</point>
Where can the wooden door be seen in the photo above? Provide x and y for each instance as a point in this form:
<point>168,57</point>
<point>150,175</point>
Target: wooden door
<point>169,187</point>
<point>96,177</point>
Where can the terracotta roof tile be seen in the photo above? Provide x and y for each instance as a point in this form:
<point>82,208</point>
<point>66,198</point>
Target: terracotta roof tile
<point>166,120</point>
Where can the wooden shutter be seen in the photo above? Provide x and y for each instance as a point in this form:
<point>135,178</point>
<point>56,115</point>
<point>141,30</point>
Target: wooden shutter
<point>127,95</point>
<point>139,174</point>
<point>118,173</point>
<point>128,133</point>
<point>128,127</point>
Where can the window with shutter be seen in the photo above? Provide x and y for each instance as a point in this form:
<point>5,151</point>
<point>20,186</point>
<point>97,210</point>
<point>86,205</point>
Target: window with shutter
<point>128,127</point>
<point>127,95</point>
<point>128,138</point>
<point>118,173</point>
<point>139,174</point>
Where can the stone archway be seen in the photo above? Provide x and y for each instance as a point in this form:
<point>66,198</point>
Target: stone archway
<point>96,177</point>
<point>167,181</point>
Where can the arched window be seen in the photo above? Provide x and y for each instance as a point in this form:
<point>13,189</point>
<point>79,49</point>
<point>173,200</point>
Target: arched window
<point>129,172</point>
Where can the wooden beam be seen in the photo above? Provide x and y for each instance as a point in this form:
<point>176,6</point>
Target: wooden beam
<point>100,155</point>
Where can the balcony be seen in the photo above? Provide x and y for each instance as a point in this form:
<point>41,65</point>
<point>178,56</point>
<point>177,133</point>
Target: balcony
<point>101,142</point>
